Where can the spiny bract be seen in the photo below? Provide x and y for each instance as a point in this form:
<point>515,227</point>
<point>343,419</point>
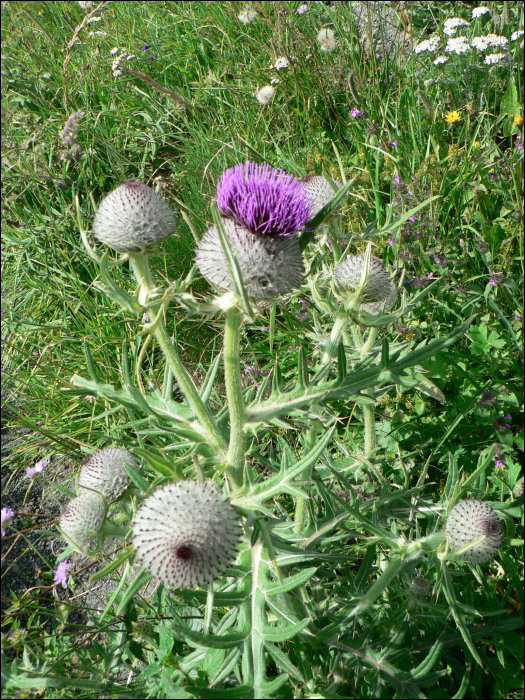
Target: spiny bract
<point>379,290</point>
<point>468,520</point>
<point>104,471</point>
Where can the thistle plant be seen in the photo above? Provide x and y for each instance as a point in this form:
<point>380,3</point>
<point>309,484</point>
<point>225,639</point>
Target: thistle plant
<point>224,515</point>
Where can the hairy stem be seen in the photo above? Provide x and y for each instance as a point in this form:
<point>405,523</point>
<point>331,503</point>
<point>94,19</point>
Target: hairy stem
<point>341,321</point>
<point>232,375</point>
<point>302,503</point>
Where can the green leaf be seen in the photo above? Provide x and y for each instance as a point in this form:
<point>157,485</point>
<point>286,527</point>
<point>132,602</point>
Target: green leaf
<point>226,641</point>
<point>239,691</point>
<point>283,661</point>
<point>290,582</point>
<point>140,580</point>
<point>281,634</point>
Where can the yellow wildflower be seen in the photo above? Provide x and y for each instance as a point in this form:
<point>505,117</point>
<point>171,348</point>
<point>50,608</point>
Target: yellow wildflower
<point>518,121</point>
<point>452,117</point>
<point>477,144</point>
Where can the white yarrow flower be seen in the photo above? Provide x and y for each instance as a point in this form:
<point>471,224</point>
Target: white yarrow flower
<point>247,16</point>
<point>265,94</point>
<point>274,81</point>
<point>104,472</point>
<point>483,42</point>
<point>281,62</point>
<point>428,45</point>
<point>468,520</point>
<point>114,50</point>
<point>86,4</point>
<point>457,45</point>
<point>516,35</point>
<point>326,37</point>
<point>450,25</point>
<point>93,19</point>
<point>493,58</point>
<point>440,59</point>
<point>479,11</point>
<point>186,534</point>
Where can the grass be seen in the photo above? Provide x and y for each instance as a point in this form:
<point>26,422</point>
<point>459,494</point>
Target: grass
<point>399,151</point>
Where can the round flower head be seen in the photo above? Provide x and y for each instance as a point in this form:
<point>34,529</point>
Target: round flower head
<point>320,192</point>
<point>264,200</point>
<point>378,292</point>
<point>419,586</point>
<point>468,520</point>
<point>104,472</point>
<point>83,513</point>
<point>270,267</point>
<point>133,217</point>
<point>186,534</point>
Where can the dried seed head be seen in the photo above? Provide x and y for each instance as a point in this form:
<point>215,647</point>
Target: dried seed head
<point>320,192</point>
<point>83,513</point>
<point>104,472</point>
<point>470,519</point>
<point>379,290</point>
<point>270,267</point>
<point>133,217</point>
<point>420,586</point>
<point>186,534</point>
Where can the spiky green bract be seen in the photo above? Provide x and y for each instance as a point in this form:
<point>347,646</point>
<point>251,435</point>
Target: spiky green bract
<point>379,291</point>
<point>81,514</point>
<point>270,267</point>
<point>104,472</point>
<point>470,519</point>
<point>132,218</point>
<point>186,534</point>
<point>320,192</point>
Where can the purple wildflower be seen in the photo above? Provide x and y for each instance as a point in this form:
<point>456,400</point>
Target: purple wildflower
<point>517,317</point>
<point>487,398</point>
<point>392,143</point>
<point>430,275</point>
<point>7,514</point>
<point>68,135</point>
<point>437,261</point>
<point>519,142</point>
<point>499,463</point>
<point>501,423</point>
<point>396,179</point>
<point>61,573</point>
<point>39,467</point>
<point>390,240</point>
<point>412,218</point>
<point>249,375</point>
<point>355,112</point>
<point>302,8</point>
<point>409,191</point>
<point>303,302</point>
<point>146,47</point>
<point>495,278</point>
<point>264,200</point>
<point>518,489</point>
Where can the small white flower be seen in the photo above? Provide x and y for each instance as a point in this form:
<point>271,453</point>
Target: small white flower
<point>281,62</point>
<point>493,58</point>
<point>86,5</point>
<point>458,45</point>
<point>93,19</point>
<point>130,57</point>
<point>97,34</point>
<point>265,94</point>
<point>247,16</point>
<point>428,45</point>
<point>440,59</point>
<point>326,37</point>
<point>516,35</point>
<point>478,11</point>
<point>274,81</point>
<point>116,73</point>
<point>114,51</point>
<point>483,42</point>
<point>428,83</point>
<point>451,24</point>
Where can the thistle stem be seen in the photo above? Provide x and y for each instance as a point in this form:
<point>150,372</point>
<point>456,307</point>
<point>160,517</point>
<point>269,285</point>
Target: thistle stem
<point>341,321</point>
<point>232,375</point>
<point>302,503</point>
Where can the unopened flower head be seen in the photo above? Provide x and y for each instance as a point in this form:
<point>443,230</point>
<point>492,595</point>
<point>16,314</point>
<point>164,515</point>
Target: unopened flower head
<point>470,519</point>
<point>270,267</point>
<point>61,573</point>
<point>428,45</point>
<point>247,16</point>
<point>379,291</point>
<point>263,199</point>
<point>326,39</point>
<point>104,472</point>
<point>7,515</point>
<point>186,534</point>
<point>479,11</point>
<point>320,192</point>
<point>450,25</point>
<point>133,217</point>
<point>457,45</point>
<point>265,94</point>
<point>420,586</point>
<point>81,514</point>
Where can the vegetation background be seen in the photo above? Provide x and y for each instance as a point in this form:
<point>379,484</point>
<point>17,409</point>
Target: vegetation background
<point>175,111</point>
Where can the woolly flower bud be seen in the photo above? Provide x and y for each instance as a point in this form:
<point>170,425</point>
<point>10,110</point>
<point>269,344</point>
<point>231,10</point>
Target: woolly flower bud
<point>470,519</point>
<point>83,513</point>
<point>104,472</point>
<point>186,534</point>
<point>263,199</point>
<point>419,586</point>
<point>320,192</point>
<point>133,217</point>
<point>378,290</point>
<point>326,39</point>
<point>270,267</point>
<point>265,94</point>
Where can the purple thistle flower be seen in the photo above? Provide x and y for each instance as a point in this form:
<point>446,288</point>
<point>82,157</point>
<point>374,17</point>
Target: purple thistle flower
<point>355,112</point>
<point>61,573</point>
<point>263,199</point>
<point>7,514</point>
<point>302,8</point>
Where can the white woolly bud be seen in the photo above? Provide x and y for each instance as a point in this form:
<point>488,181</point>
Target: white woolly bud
<point>133,217</point>
<point>378,292</point>
<point>320,192</point>
<point>468,520</point>
<point>186,534</point>
<point>104,472</point>
<point>265,94</point>
<point>83,513</point>
<point>270,267</point>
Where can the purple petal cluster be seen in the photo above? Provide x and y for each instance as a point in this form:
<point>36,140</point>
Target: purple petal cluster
<point>263,199</point>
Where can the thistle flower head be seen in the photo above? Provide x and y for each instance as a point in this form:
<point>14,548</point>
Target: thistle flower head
<point>420,586</point>
<point>470,519</point>
<point>133,217</point>
<point>186,534</point>
<point>320,192</point>
<point>270,267</point>
<point>104,472</point>
<point>263,199</point>
<point>379,290</point>
<point>83,513</point>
